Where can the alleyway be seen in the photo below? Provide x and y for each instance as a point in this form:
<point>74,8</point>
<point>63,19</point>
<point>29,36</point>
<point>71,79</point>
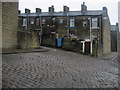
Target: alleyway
<point>58,69</point>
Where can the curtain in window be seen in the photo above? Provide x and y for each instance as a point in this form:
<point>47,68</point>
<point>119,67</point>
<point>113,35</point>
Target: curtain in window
<point>72,22</point>
<point>94,22</point>
<point>24,22</point>
<point>37,22</point>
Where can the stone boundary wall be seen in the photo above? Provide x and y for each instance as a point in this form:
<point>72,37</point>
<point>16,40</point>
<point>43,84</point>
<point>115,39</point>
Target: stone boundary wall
<point>27,40</point>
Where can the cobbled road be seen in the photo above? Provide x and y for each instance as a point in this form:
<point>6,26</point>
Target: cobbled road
<point>58,69</point>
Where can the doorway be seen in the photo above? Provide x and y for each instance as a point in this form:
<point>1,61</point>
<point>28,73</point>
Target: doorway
<point>87,47</point>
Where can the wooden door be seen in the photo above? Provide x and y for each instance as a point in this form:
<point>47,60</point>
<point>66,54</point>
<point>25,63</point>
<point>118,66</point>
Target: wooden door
<point>87,47</point>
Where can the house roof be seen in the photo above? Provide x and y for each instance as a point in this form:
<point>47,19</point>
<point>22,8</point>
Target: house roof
<point>70,13</point>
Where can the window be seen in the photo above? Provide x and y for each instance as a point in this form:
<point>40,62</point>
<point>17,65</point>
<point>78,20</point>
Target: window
<point>37,22</point>
<point>43,21</point>
<point>32,21</point>
<point>24,22</point>
<point>61,21</point>
<point>72,22</point>
<point>53,20</point>
<point>94,22</point>
<point>84,23</point>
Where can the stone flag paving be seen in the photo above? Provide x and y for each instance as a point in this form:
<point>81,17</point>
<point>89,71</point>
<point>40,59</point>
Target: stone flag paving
<point>58,69</point>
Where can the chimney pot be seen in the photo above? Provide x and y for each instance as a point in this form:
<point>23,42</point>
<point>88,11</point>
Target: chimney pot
<point>27,11</point>
<point>38,10</point>
<point>66,9</point>
<point>83,3</point>
<point>19,11</point>
<point>51,9</point>
<point>83,7</point>
<point>104,8</point>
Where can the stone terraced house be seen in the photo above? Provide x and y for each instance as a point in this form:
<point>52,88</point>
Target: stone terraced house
<point>114,37</point>
<point>89,28</point>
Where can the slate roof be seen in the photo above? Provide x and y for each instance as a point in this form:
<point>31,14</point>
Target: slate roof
<point>70,13</point>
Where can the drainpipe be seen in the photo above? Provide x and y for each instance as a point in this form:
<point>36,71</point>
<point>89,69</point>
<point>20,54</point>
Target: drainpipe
<point>40,33</point>
<point>91,48</point>
<point>27,11</point>
<point>68,24</point>
<point>83,46</point>
<point>90,36</point>
<point>117,36</point>
<point>39,13</point>
<point>90,29</point>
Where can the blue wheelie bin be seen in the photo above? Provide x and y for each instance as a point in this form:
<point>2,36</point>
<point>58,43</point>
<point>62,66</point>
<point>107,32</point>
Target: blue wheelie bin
<point>59,42</point>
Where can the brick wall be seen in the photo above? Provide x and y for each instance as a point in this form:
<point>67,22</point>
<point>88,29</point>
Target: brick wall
<point>9,24</point>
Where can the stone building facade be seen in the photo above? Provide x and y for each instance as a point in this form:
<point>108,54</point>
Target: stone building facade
<point>119,27</point>
<point>28,37</point>
<point>0,26</point>
<point>119,14</point>
<point>90,27</point>
<point>9,24</point>
<point>114,37</point>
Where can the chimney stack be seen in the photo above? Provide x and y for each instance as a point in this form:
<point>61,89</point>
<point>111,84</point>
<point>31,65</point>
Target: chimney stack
<point>38,10</point>
<point>104,8</point>
<point>27,11</point>
<point>66,9</point>
<point>83,7</point>
<point>51,9</point>
<point>116,24</point>
<point>19,11</point>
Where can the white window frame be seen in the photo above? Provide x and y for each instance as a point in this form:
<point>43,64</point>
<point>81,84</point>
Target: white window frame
<point>24,22</point>
<point>72,22</point>
<point>37,19</point>
<point>61,21</point>
<point>94,24</point>
<point>85,22</point>
<point>32,21</point>
<point>43,21</point>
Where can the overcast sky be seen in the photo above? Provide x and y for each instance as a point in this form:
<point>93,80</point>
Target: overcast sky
<point>74,5</point>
